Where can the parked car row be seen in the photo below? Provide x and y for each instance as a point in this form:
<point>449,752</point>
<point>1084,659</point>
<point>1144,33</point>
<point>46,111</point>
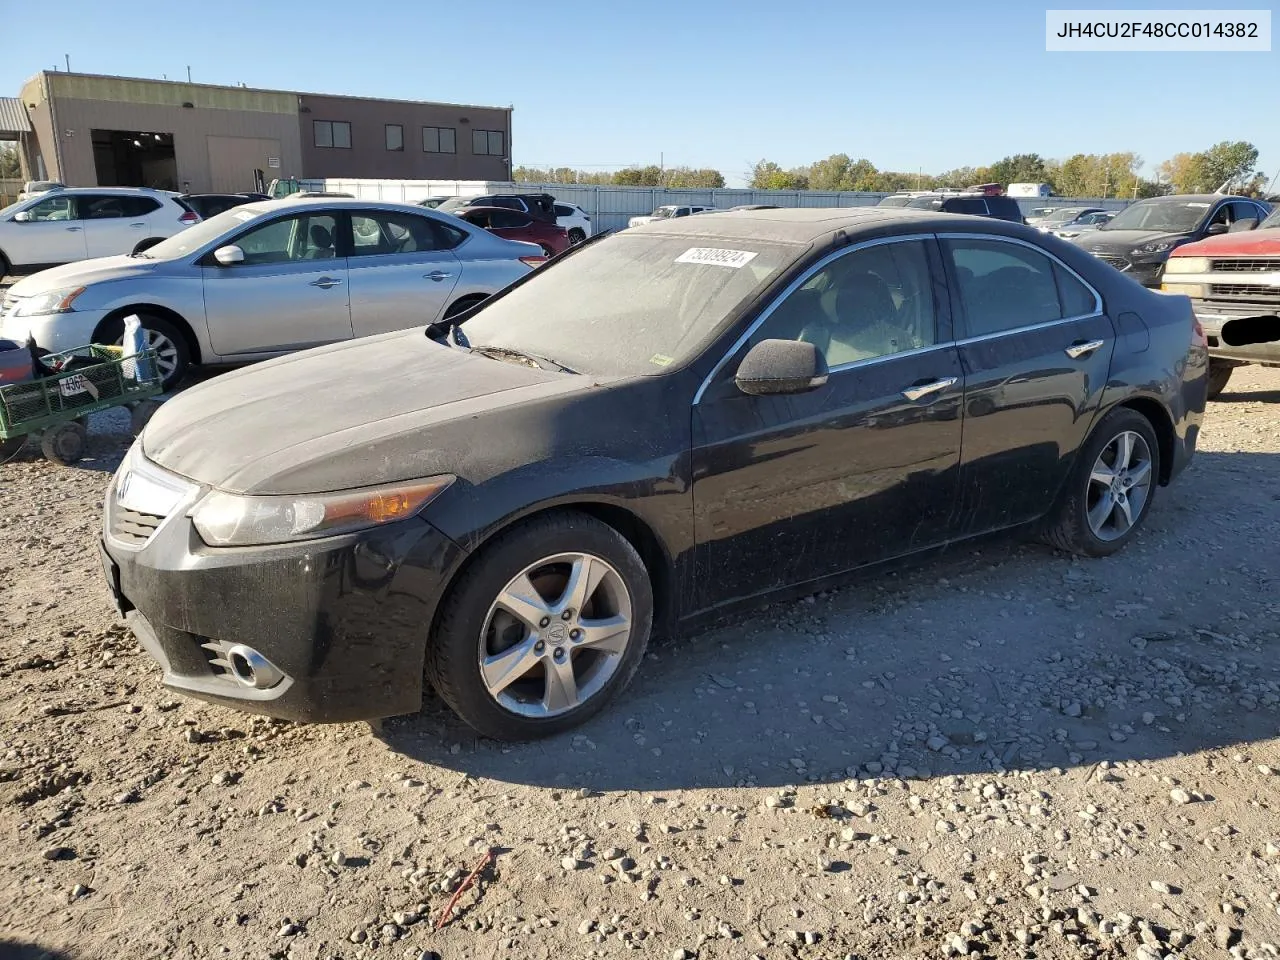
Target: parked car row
<point>515,476</point>
<point>269,278</point>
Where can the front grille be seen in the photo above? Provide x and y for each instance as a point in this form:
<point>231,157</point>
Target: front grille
<point>132,527</point>
<point>1246,291</point>
<point>1120,263</point>
<point>1246,266</point>
<point>215,654</point>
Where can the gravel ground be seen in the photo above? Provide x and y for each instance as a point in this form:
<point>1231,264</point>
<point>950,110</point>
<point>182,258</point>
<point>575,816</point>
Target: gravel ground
<point>1004,752</point>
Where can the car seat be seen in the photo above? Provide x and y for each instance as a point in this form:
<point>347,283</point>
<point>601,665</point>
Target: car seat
<point>321,242</point>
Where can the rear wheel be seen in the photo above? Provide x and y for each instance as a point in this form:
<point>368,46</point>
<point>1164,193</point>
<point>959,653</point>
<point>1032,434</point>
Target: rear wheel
<point>147,244</point>
<point>576,236</point>
<point>4,266</point>
<point>548,623</point>
<point>1219,374</point>
<point>462,306</point>
<point>65,443</point>
<point>1111,487</point>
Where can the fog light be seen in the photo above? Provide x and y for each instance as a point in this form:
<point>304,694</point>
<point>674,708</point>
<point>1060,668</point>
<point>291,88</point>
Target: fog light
<point>252,669</point>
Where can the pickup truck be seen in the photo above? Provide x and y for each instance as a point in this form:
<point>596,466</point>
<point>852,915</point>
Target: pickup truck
<point>1231,277</point>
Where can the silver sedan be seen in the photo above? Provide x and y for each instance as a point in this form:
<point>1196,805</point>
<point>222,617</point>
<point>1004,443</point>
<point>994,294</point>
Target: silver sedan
<point>266,279</point>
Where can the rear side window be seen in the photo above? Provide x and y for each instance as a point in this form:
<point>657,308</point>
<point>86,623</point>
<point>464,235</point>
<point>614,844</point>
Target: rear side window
<point>511,203</point>
<point>564,211</point>
<point>139,206</point>
<point>971,205</point>
<point>509,219</point>
<point>1004,286</point>
<point>376,232</point>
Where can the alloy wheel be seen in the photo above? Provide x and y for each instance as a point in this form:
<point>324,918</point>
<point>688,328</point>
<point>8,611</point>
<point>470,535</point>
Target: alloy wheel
<point>166,352</point>
<point>1119,486</point>
<point>555,635</point>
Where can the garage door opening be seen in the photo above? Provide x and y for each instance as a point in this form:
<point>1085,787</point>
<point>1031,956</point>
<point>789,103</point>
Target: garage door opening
<point>135,158</point>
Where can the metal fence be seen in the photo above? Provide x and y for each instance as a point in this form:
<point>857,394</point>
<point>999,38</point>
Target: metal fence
<point>9,190</point>
<point>610,207</point>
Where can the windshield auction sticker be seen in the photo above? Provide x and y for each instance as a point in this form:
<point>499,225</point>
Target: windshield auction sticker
<point>1236,31</point>
<point>717,257</point>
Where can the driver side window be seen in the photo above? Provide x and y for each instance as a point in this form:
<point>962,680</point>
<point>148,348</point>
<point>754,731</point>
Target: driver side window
<point>869,303</point>
<point>309,237</point>
<point>52,208</point>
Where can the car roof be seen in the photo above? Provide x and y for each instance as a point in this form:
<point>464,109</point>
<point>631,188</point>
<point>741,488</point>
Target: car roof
<point>124,191</point>
<point>1193,198</point>
<point>295,202</point>
<point>809,224</point>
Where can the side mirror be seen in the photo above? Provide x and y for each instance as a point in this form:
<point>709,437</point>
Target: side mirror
<point>781,366</point>
<point>1214,229</point>
<point>229,255</point>
<point>1248,223</point>
<point>22,216</point>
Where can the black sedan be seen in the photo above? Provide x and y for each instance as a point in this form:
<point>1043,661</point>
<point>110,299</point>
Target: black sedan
<point>657,426</point>
<point>1139,239</point>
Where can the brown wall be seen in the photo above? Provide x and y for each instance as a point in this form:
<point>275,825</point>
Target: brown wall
<point>41,144</point>
<point>191,129</point>
<point>368,156</point>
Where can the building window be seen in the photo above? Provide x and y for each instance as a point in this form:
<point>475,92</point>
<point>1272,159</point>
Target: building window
<point>439,140</point>
<point>487,143</point>
<point>395,136</point>
<point>332,133</point>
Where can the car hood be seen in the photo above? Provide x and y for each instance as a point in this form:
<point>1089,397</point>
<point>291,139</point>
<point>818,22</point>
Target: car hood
<point>1246,243</point>
<point>342,416</point>
<point>1112,240</point>
<point>83,273</point>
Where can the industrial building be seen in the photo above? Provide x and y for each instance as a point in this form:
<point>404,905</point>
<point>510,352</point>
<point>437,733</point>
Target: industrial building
<point>88,130</point>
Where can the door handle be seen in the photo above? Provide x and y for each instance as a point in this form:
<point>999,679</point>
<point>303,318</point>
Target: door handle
<point>1082,348</point>
<point>324,283</point>
<point>437,275</point>
<point>137,224</point>
<point>924,389</point>
<point>74,229</point>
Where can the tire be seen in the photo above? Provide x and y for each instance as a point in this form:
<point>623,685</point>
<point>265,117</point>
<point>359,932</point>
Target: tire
<point>5,266</point>
<point>1219,374</point>
<point>524,703</point>
<point>11,448</point>
<point>1071,526</point>
<point>576,236</point>
<point>65,443</point>
<point>173,356</point>
<point>548,251</point>
<point>462,306</point>
<point>141,415</point>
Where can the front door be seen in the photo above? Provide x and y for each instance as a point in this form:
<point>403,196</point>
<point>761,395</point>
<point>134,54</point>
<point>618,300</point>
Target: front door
<point>53,234</point>
<point>792,488</point>
<point>1036,348</point>
<point>401,271</point>
<point>289,293</point>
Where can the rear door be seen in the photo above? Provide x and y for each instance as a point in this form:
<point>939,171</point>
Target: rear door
<point>289,293</point>
<point>115,223</point>
<point>1036,349</point>
<point>402,270</point>
<point>53,234</point>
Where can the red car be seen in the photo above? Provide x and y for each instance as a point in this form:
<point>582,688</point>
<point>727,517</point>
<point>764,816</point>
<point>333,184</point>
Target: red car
<point>514,225</point>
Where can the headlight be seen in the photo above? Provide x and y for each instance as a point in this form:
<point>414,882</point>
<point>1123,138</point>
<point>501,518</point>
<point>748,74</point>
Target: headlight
<point>1158,246</point>
<point>55,301</point>
<point>1187,265</point>
<point>1195,290</point>
<point>228,520</point>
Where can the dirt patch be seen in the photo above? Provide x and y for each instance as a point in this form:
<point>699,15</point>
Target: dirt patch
<point>1004,752</point>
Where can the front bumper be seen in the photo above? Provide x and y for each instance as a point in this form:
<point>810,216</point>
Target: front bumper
<point>54,332</point>
<point>1146,272</point>
<point>1213,314</point>
<point>344,620</point>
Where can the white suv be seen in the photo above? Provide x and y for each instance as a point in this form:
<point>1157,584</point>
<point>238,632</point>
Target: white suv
<point>669,211</point>
<point>78,223</point>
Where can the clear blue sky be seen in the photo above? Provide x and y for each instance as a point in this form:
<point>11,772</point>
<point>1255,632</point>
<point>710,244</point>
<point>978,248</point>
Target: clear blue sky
<point>705,82</point>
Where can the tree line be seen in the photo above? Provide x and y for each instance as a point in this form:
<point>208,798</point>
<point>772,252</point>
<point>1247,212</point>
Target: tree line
<point>1080,175</point>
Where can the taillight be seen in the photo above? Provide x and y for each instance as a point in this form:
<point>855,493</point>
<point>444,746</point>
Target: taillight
<point>189,217</point>
<point>533,261</point>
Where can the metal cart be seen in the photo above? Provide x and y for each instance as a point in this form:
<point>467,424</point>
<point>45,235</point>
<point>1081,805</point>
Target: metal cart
<point>56,408</point>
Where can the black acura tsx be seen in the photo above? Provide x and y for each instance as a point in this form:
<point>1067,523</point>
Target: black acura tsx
<point>654,427</point>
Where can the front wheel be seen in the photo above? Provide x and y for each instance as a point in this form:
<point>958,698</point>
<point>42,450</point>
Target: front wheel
<point>1111,487</point>
<point>173,356</point>
<point>546,626</point>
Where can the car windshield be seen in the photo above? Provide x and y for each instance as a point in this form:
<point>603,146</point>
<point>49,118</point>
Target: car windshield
<point>631,305</point>
<point>1167,216</point>
<point>193,238</point>
<point>1063,215</point>
<point>455,203</point>
<point>925,203</point>
<point>1271,221</point>
<point>894,202</point>
<point>662,213</point>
